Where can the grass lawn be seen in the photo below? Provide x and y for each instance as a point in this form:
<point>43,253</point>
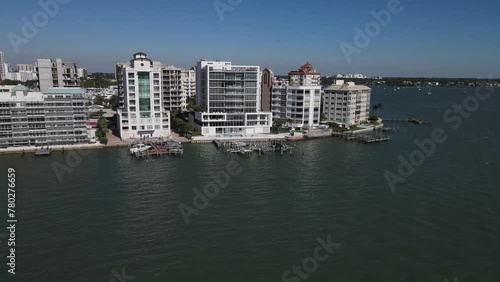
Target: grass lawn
<point>355,128</point>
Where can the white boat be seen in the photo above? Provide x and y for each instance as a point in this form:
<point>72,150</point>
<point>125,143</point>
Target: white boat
<point>138,148</point>
<point>430,92</point>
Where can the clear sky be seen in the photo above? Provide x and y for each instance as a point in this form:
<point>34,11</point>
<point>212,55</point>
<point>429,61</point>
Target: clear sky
<point>445,38</point>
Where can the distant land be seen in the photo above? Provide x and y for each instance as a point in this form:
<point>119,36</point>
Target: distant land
<point>104,80</point>
<point>420,81</point>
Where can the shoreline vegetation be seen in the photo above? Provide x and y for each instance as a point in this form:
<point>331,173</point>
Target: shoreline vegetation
<point>417,81</point>
<point>105,80</point>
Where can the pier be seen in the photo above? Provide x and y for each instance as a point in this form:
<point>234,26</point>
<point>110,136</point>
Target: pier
<point>158,148</point>
<point>413,120</point>
<point>366,138</point>
<point>258,147</point>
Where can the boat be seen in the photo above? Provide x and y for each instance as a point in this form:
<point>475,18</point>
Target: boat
<point>139,148</point>
<point>386,128</point>
<point>430,92</point>
<point>43,151</point>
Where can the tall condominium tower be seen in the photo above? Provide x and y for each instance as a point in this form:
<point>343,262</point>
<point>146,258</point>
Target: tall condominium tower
<point>2,66</point>
<point>189,82</point>
<point>145,89</point>
<point>231,96</point>
<point>56,73</point>
<point>304,97</point>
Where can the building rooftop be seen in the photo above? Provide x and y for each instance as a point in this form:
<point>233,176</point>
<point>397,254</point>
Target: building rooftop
<point>306,69</point>
<point>64,90</point>
<point>346,87</point>
<point>20,87</point>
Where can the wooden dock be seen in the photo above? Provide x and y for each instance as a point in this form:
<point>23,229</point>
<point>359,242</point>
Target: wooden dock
<point>413,120</point>
<point>158,148</point>
<point>250,147</point>
<point>372,137</point>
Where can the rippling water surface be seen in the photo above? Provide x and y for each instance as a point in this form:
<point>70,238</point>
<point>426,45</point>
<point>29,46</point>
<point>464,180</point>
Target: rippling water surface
<point>113,212</point>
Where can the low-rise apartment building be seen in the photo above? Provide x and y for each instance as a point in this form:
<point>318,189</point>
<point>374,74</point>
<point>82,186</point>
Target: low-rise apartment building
<point>346,103</point>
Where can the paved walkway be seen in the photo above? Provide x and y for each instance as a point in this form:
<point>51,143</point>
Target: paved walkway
<point>178,138</point>
<point>19,150</point>
<point>114,140</point>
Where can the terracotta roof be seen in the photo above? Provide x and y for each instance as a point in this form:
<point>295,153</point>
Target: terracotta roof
<point>307,66</point>
<point>306,69</point>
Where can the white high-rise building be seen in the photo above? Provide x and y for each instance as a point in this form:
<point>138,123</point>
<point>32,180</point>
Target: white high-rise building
<point>56,73</point>
<point>82,73</point>
<point>26,67</point>
<point>303,106</point>
<point>346,103</point>
<point>144,105</point>
<point>2,66</point>
<point>189,82</point>
<point>231,96</point>
<point>173,95</point>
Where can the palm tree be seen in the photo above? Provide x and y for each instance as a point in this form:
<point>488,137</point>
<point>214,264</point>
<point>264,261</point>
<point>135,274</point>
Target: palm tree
<point>379,107</point>
<point>375,109</point>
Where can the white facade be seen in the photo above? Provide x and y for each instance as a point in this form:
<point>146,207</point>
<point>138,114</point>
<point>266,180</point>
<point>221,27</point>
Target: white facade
<point>279,93</point>
<point>347,104</point>
<point>189,82</point>
<point>23,76</point>
<point>2,66</point>
<point>231,95</point>
<point>26,67</point>
<point>171,83</point>
<point>82,73</point>
<point>142,112</point>
<point>303,105</point>
<point>55,117</point>
<point>56,73</point>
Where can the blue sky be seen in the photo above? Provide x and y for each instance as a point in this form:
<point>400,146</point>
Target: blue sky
<point>428,38</point>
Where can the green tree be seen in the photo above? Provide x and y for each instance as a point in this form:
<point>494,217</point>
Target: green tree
<point>102,128</point>
<point>114,102</point>
<point>376,108</point>
<point>10,82</point>
<point>278,123</point>
<point>101,101</point>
